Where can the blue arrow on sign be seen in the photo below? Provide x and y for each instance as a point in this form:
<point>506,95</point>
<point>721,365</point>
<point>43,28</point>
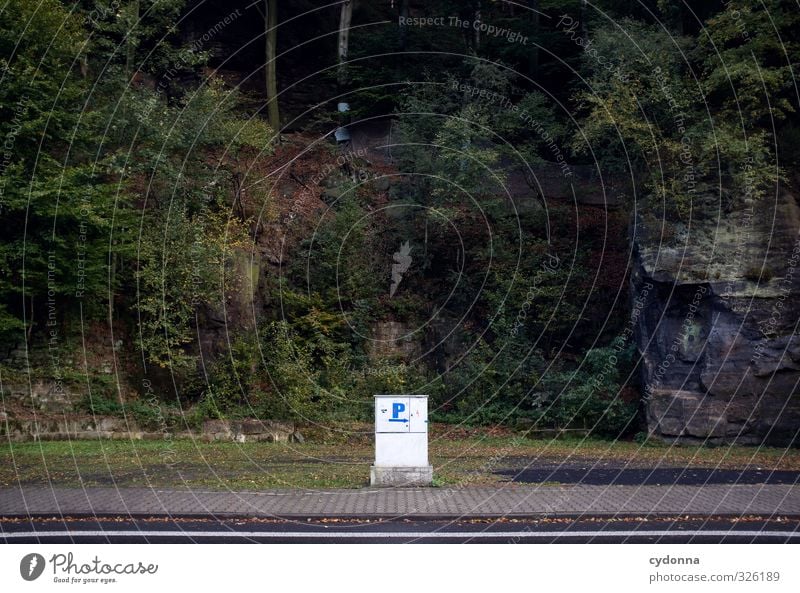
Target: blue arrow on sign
<point>398,419</point>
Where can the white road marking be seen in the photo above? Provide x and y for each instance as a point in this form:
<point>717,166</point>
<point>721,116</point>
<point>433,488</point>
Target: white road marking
<point>398,534</point>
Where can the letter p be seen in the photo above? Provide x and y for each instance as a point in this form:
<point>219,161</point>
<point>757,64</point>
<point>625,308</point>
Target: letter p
<point>397,408</point>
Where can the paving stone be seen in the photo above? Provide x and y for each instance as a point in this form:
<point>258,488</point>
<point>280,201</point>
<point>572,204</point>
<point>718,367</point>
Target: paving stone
<point>503,501</point>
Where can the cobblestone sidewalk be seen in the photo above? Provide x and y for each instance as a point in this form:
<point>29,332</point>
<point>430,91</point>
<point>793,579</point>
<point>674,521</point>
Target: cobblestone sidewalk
<point>767,500</point>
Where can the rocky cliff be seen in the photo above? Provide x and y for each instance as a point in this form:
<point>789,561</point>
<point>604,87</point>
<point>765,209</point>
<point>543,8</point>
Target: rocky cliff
<point>716,313</point>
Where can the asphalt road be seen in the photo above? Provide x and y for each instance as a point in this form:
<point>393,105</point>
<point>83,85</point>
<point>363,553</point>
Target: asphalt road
<point>610,474</point>
<point>541,530</point>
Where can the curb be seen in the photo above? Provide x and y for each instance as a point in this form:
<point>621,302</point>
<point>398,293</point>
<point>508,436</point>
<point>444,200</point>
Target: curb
<point>78,516</point>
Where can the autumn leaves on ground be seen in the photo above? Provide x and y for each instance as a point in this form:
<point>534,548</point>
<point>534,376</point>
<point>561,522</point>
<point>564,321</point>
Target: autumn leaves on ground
<point>341,459</point>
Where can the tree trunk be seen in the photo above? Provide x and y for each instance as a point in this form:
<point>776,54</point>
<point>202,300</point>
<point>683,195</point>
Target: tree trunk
<point>476,28</point>
<point>30,327</point>
<point>345,17</point>
<point>271,29</point>
<point>584,20</point>
<point>403,30</point>
<point>130,42</point>
<point>534,55</point>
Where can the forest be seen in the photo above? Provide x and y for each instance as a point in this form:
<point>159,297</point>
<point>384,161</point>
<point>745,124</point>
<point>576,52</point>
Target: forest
<point>551,215</point>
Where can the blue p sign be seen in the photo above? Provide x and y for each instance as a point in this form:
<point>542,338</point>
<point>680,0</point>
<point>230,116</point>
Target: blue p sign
<point>397,409</point>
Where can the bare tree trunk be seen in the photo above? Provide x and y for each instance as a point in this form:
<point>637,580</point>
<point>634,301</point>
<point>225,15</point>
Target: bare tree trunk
<point>271,28</point>
<point>345,17</point>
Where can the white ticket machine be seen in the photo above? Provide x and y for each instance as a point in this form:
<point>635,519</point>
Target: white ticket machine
<point>401,441</point>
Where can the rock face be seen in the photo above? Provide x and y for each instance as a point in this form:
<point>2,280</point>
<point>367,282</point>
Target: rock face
<point>249,430</point>
<point>42,396</point>
<point>66,427</point>
<point>716,311</point>
<point>393,339</point>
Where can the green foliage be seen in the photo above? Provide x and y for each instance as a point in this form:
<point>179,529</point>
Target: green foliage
<point>239,386</point>
<point>56,207</point>
<point>474,134</point>
<point>139,35</point>
<point>458,130</point>
<point>543,395</point>
<point>184,264</point>
<point>341,260</point>
<point>296,370</point>
<point>173,143</point>
<point>123,196</point>
<point>145,414</point>
<point>315,376</point>
<point>668,112</point>
<point>589,397</point>
<point>747,56</point>
<point>188,237</point>
<point>70,183</point>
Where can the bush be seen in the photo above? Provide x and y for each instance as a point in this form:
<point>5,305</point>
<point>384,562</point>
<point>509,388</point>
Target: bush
<point>587,397</point>
<point>144,414</point>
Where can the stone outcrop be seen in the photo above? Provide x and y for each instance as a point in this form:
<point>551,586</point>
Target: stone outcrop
<point>41,395</point>
<point>394,339</point>
<point>716,309</point>
<point>69,427</point>
<point>249,431</point>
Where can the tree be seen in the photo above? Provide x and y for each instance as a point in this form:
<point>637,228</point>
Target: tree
<point>650,111</point>
<point>403,31</point>
<point>534,59</point>
<point>271,32</point>
<point>747,60</point>
<point>188,234</point>
<point>345,17</point>
<point>56,203</point>
<point>138,36</point>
